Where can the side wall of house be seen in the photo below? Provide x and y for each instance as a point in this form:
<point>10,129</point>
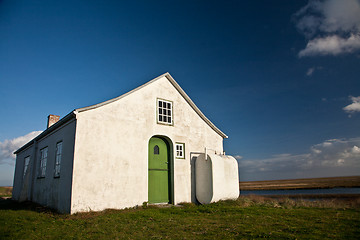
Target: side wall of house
<point>111,149</point>
<point>56,191</point>
<point>21,185</point>
<point>51,190</point>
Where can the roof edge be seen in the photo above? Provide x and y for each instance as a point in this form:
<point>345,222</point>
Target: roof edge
<point>177,87</point>
<point>83,109</point>
<point>75,111</point>
<point>192,104</point>
<point>48,130</point>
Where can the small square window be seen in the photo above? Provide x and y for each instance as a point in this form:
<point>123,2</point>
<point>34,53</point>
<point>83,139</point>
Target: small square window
<point>180,150</point>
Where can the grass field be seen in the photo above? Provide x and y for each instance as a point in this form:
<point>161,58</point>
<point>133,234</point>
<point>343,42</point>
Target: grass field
<point>5,191</point>
<point>246,218</point>
<point>308,183</point>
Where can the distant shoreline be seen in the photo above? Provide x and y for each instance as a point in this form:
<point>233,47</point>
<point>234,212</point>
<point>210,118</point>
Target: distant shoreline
<point>314,196</point>
<point>306,183</point>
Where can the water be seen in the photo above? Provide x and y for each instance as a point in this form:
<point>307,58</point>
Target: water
<point>303,191</point>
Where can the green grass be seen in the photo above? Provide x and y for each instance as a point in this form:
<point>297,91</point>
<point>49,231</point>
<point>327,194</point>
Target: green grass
<point>5,191</point>
<point>246,218</point>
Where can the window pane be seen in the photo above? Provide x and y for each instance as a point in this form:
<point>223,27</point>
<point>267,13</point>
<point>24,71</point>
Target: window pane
<point>180,150</point>
<point>26,164</point>
<point>59,147</point>
<point>58,159</point>
<point>164,111</point>
<point>156,149</point>
<point>43,159</point>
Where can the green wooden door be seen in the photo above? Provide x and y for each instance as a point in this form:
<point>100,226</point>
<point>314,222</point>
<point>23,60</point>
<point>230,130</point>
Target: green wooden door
<point>158,171</point>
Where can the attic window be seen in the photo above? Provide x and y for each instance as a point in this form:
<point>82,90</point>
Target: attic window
<point>165,112</point>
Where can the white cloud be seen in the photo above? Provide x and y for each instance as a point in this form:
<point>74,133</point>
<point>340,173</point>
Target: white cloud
<point>7,147</point>
<point>316,151</point>
<point>334,157</point>
<point>238,157</point>
<point>356,150</point>
<point>326,144</point>
<point>340,15</point>
<point>354,106</point>
<point>331,45</point>
<point>310,71</point>
<point>332,27</point>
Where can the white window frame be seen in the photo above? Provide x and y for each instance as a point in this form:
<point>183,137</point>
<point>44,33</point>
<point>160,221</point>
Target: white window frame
<point>43,161</point>
<point>163,112</point>
<point>180,150</point>
<point>26,164</point>
<point>58,157</point>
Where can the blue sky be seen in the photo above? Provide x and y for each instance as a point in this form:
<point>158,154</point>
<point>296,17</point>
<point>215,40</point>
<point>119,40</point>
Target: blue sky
<point>280,78</point>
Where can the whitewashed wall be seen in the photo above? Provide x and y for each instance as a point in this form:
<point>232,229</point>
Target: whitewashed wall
<point>111,148</point>
<point>49,191</point>
<point>19,179</point>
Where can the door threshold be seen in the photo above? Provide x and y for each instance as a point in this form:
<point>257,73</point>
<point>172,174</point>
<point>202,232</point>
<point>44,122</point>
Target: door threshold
<point>163,205</point>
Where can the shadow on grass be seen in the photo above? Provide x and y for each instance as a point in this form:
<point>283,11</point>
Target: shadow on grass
<point>9,204</point>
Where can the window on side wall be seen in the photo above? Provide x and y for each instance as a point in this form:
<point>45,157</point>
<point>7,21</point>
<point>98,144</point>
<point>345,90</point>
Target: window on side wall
<point>180,150</point>
<point>26,164</point>
<point>43,160</point>
<point>58,157</point>
<point>164,112</point>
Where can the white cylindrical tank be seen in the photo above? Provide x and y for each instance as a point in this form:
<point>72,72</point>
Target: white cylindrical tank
<point>217,178</point>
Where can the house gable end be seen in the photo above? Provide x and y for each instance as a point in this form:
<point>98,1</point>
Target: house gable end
<point>176,86</point>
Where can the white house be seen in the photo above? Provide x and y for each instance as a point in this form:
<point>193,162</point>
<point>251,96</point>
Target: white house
<point>138,147</point>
